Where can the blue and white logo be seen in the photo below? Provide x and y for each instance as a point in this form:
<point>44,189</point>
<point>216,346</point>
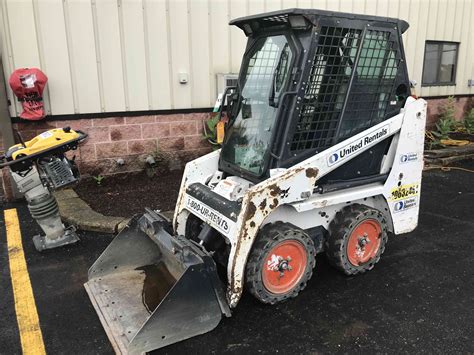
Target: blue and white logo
<point>333,158</point>
<point>409,157</point>
<point>405,204</point>
<point>399,206</point>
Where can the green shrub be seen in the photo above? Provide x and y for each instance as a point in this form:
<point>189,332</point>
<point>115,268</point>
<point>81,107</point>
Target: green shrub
<point>469,122</point>
<point>447,111</point>
<point>445,124</point>
<point>443,127</point>
<point>98,179</point>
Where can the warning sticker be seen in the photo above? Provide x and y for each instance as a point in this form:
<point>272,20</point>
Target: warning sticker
<point>46,134</point>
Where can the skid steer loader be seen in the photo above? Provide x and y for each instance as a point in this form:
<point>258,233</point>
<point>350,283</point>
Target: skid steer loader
<point>323,152</point>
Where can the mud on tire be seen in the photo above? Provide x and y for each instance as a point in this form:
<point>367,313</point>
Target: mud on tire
<point>349,228</point>
<point>267,282</point>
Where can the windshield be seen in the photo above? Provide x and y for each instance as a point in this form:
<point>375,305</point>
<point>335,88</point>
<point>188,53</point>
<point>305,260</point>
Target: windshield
<point>248,138</point>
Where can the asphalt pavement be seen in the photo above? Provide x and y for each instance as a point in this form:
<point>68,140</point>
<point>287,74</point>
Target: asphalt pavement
<point>418,299</point>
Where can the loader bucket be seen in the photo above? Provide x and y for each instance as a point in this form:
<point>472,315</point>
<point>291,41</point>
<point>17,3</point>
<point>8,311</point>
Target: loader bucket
<point>151,289</point>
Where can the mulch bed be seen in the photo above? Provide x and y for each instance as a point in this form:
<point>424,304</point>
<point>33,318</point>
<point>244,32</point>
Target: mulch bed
<point>124,195</point>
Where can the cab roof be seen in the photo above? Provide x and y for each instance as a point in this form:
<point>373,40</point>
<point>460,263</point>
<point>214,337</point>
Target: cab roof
<point>280,18</point>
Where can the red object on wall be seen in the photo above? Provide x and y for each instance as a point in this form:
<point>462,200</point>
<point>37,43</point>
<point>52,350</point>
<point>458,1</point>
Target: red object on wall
<point>28,85</point>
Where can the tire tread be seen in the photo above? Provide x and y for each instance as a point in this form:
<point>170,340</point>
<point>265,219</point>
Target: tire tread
<point>270,235</point>
<point>339,231</point>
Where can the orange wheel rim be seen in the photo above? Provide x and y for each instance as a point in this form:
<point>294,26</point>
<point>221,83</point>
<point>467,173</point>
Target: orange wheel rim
<point>364,242</point>
<point>284,266</point>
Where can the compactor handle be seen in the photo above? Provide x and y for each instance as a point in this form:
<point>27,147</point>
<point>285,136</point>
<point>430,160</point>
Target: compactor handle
<point>20,139</point>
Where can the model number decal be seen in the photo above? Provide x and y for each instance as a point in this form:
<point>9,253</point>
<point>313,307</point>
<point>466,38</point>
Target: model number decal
<point>352,148</point>
<point>210,216</point>
<point>404,191</point>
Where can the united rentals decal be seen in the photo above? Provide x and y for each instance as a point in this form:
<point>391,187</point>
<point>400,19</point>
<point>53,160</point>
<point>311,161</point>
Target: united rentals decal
<point>356,146</point>
<point>405,204</point>
<point>408,157</point>
<point>209,215</point>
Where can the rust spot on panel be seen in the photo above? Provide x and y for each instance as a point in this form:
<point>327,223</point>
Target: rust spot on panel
<point>274,190</point>
<point>251,209</point>
<point>274,204</point>
<point>311,172</point>
<point>252,224</point>
<point>263,204</point>
<point>288,174</point>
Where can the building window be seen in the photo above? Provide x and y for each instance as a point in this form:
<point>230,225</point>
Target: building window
<point>439,67</point>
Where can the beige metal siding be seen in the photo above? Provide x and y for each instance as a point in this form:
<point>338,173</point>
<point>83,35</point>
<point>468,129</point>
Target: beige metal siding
<point>159,56</point>
<point>201,76</point>
<point>127,55</point>
<point>84,69</point>
<point>51,33</point>
<point>109,37</point>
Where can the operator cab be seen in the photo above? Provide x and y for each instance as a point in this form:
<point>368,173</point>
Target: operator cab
<point>310,79</point>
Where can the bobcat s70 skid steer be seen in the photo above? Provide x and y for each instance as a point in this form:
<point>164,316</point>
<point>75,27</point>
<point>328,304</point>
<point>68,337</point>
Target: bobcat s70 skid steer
<point>323,152</point>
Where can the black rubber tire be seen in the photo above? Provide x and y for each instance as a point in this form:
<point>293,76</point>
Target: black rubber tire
<point>268,237</point>
<point>340,230</point>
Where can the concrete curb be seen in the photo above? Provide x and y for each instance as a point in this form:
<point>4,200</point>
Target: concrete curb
<point>75,211</point>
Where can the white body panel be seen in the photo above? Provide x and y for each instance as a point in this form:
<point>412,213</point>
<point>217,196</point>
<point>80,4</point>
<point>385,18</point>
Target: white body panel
<point>288,194</point>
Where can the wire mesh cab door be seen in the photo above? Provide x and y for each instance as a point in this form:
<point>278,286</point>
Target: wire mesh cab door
<point>355,78</point>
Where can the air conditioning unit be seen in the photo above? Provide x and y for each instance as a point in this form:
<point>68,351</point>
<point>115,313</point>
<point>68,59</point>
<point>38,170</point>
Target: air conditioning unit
<point>225,80</point>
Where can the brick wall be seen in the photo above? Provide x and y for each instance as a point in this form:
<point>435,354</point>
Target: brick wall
<point>174,139</point>
<point>462,106</point>
<point>171,139</point>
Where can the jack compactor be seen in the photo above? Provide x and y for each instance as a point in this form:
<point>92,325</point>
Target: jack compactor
<point>38,167</point>
<point>323,152</point>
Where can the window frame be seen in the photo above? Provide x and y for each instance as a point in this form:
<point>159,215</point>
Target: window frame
<point>297,49</point>
<point>243,78</point>
<point>437,82</point>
